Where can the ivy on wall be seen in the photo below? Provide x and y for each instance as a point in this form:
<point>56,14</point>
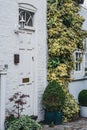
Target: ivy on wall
<point>65,34</point>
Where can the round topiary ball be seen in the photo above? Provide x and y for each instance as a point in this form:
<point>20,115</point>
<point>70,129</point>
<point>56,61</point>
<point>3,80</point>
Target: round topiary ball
<point>82,98</point>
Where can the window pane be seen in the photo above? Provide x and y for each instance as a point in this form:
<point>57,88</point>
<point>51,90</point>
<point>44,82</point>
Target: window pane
<point>26,17</point>
<point>76,67</point>
<point>79,65</point>
<point>21,14</point>
<point>85,60</point>
<point>78,57</point>
<point>29,18</point>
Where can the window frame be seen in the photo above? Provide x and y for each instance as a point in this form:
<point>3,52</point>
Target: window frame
<point>81,73</point>
<point>27,8</point>
<point>85,56</point>
<point>77,56</point>
<point>78,74</point>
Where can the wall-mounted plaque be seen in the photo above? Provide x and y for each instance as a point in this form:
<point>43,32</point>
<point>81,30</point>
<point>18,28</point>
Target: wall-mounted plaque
<point>25,80</point>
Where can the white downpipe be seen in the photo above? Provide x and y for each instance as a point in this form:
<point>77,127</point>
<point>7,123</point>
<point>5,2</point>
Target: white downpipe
<point>2,98</point>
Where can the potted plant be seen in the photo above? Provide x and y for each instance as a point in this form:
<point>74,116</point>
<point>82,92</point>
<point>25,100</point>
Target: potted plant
<point>82,98</point>
<point>53,101</point>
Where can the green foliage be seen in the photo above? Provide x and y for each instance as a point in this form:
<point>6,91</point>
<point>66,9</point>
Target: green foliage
<point>70,109</point>
<point>52,1</point>
<point>53,97</point>
<point>82,98</point>
<point>9,119</point>
<point>53,62</point>
<point>65,34</point>
<point>24,123</point>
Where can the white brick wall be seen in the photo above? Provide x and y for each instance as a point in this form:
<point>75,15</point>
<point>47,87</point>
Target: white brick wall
<point>76,86</point>
<point>9,45</point>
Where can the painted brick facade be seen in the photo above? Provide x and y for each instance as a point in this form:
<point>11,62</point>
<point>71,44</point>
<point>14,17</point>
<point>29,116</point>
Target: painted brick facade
<point>35,46</point>
<point>10,44</point>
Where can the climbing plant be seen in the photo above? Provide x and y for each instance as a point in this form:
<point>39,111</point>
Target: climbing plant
<point>65,34</point>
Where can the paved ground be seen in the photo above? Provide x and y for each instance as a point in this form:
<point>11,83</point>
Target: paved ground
<point>80,124</point>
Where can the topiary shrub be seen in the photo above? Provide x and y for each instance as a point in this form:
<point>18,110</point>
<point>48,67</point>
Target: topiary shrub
<point>82,98</point>
<point>53,97</point>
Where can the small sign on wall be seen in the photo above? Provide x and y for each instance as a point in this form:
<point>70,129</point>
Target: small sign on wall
<point>25,80</point>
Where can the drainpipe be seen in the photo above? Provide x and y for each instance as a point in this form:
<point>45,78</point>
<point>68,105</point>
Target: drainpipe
<point>2,97</point>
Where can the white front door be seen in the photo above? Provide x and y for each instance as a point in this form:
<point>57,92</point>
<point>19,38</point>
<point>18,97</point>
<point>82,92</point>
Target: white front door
<point>26,69</point>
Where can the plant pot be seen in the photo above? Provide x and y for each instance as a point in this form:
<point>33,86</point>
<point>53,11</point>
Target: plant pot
<point>53,117</point>
<point>34,117</point>
<point>83,111</point>
<point>5,126</point>
<point>58,118</point>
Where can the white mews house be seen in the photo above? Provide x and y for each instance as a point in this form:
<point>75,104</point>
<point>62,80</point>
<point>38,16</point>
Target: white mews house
<point>80,72</point>
<point>23,54</point>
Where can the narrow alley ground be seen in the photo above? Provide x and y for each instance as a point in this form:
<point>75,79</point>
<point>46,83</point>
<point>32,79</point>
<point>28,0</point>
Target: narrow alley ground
<point>80,124</point>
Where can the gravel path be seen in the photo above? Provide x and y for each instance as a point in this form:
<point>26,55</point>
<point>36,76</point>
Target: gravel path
<point>80,124</point>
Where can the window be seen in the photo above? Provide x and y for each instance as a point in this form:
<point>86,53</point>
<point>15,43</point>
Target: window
<point>86,60</point>
<point>78,60</point>
<point>25,18</point>
<point>80,1</point>
<point>85,47</point>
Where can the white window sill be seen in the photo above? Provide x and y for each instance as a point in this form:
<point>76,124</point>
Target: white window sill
<point>27,28</point>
